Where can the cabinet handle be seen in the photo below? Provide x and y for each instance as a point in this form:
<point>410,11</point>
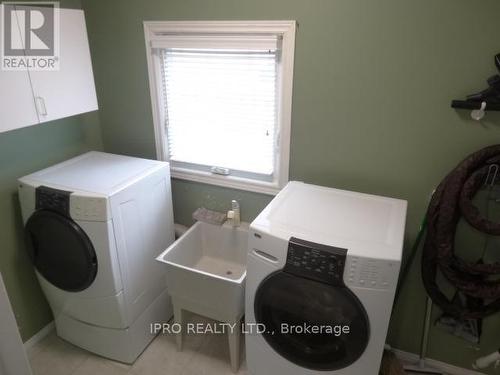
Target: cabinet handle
<point>40,106</point>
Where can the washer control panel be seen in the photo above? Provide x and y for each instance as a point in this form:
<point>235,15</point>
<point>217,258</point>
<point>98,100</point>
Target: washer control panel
<point>316,261</point>
<point>371,273</point>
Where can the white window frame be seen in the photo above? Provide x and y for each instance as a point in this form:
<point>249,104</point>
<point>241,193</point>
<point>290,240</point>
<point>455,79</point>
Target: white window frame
<point>153,30</point>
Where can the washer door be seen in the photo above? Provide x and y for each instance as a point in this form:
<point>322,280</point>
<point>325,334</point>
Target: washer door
<point>287,304</point>
<point>61,251</point>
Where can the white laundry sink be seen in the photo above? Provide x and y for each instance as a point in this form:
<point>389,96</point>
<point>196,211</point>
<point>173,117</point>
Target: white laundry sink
<point>207,270</point>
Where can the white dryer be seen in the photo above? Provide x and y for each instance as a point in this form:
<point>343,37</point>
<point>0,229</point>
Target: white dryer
<point>94,225</point>
<point>322,271</point>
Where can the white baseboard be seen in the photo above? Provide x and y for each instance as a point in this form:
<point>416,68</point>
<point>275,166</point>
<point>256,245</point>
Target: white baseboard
<point>448,369</point>
<point>39,336</point>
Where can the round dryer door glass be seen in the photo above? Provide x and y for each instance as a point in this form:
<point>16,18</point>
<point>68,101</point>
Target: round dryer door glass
<point>61,251</point>
<point>312,324</point>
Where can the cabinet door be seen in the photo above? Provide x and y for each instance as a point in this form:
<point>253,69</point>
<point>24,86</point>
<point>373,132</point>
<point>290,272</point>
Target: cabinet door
<point>17,106</point>
<point>69,90</point>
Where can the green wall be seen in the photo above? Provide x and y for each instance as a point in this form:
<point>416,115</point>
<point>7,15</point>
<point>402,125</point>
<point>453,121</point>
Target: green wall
<point>24,151</point>
<point>372,87</point>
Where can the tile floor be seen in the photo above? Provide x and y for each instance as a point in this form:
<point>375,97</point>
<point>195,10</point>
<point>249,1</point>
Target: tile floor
<point>203,354</point>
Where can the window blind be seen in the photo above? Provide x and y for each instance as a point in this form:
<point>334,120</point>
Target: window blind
<point>261,42</point>
<point>221,108</point>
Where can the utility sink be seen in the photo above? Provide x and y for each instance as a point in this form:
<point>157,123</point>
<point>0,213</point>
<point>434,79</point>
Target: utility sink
<point>206,271</point>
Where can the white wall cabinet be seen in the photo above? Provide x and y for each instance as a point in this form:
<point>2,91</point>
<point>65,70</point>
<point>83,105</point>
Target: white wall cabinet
<point>17,101</point>
<point>70,90</point>
<point>31,97</point>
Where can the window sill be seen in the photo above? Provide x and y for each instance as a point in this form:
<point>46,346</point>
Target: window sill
<point>232,182</point>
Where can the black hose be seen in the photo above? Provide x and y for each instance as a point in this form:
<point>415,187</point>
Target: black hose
<point>451,201</point>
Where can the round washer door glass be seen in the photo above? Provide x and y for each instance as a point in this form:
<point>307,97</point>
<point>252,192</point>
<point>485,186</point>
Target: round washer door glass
<point>61,251</point>
<point>312,324</point>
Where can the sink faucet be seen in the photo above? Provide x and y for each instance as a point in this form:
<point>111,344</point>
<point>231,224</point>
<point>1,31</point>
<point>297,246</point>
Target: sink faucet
<point>234,214</point>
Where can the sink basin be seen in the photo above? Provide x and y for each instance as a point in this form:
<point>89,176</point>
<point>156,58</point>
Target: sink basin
<point>206,270</point>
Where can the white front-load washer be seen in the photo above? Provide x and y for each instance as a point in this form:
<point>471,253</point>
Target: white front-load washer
<point>322,272</point>
<point>94,225</point>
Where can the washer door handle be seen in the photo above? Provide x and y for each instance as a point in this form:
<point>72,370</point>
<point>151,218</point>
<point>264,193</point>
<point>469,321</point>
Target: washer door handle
<point>266,256</point>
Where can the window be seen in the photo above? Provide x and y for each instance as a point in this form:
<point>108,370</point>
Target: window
<point>221,96</point>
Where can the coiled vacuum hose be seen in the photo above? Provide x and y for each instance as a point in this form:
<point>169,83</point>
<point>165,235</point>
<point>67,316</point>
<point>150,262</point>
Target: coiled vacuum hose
<point>451,201</point>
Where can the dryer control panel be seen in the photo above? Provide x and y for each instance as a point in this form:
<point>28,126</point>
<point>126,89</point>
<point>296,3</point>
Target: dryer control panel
<point>52,199</point>
<point>89,208</point>
<point>316,261</point>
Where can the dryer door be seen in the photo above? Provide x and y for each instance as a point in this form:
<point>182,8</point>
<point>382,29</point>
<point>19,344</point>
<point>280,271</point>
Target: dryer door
<point>61,251</point>
<point>312,319</point>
